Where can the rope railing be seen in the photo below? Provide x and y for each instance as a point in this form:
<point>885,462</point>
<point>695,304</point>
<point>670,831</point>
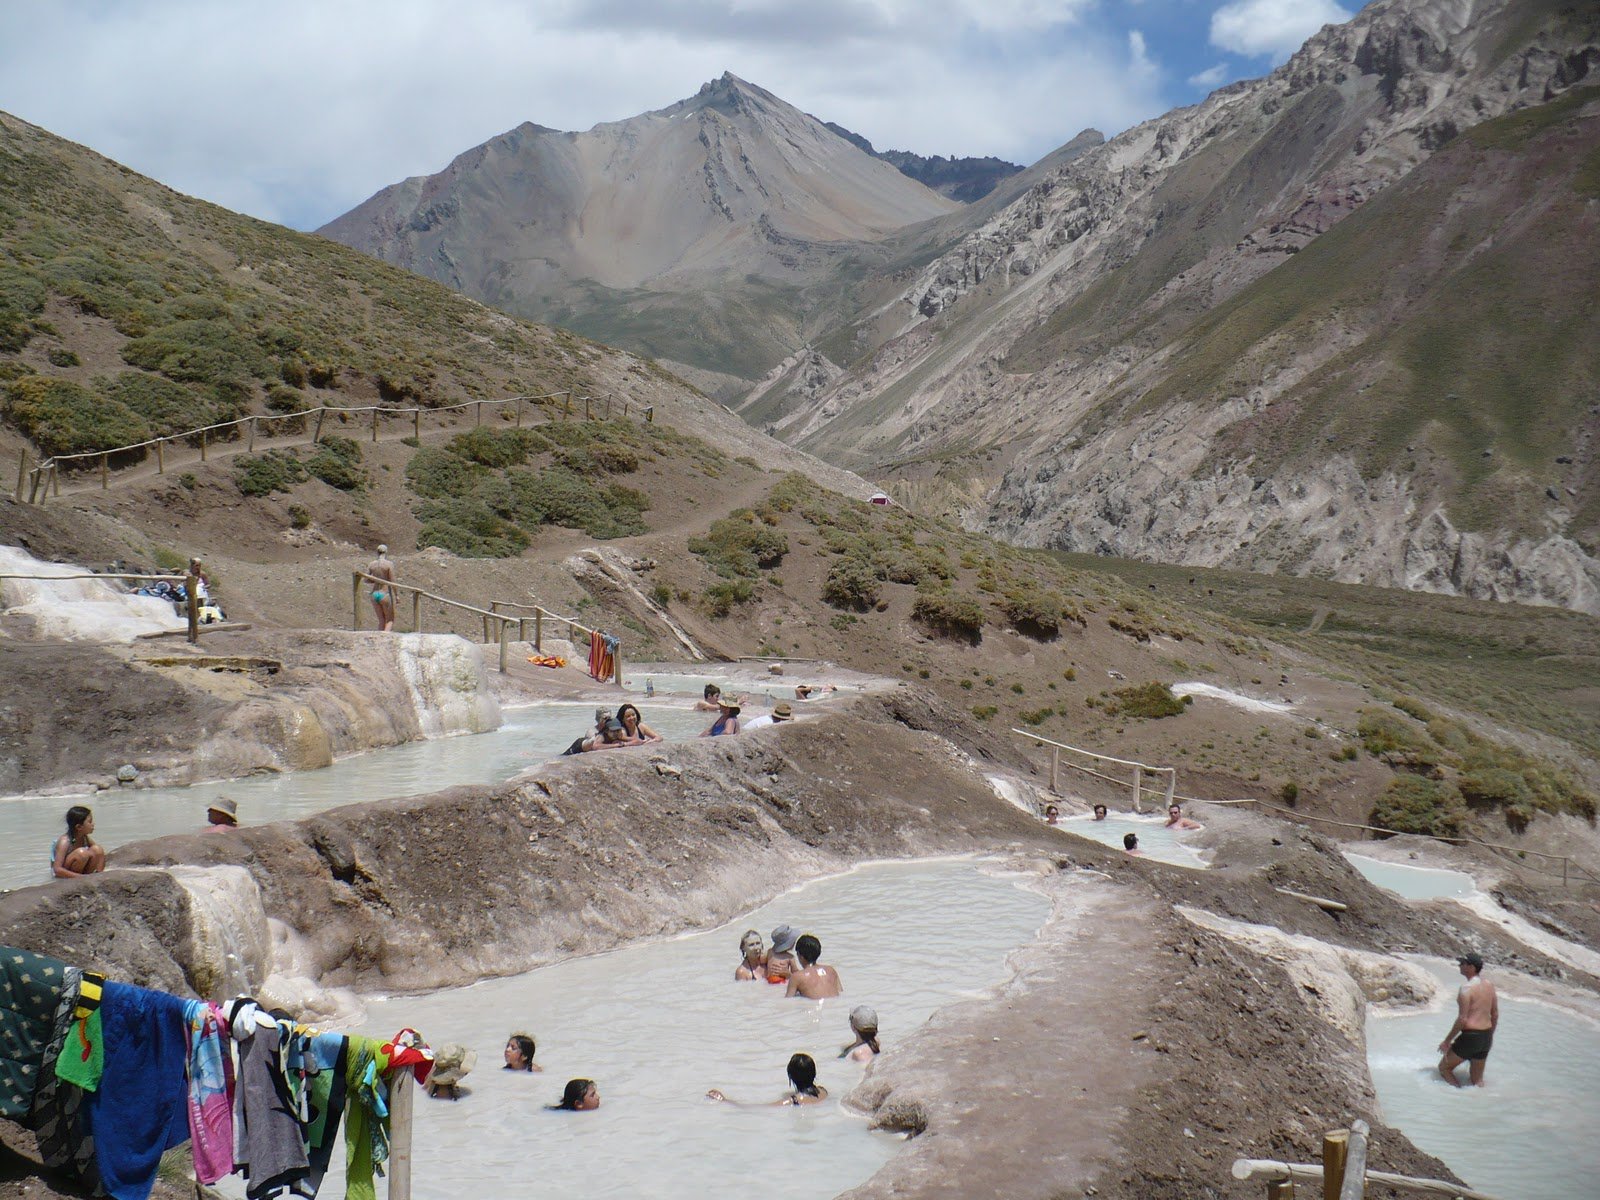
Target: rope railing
<point>504,621</point>
<point>44,479</point>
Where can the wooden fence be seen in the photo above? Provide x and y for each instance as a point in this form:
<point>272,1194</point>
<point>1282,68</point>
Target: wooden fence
<point>1343,1173</point>
<point>1139,769</point>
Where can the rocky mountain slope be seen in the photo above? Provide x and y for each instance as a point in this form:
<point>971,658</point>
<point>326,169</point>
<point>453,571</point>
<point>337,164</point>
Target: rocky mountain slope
<point>1153,352</point>
<point>964,179</point>
<point>705,232</point>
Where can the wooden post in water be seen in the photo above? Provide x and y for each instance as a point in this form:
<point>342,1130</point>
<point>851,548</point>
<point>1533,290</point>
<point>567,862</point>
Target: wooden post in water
<point>1355,1163</point>
<point>191,589</point>
<point>402,1094</point>
<point>1335,1148</point>
<point>416,612</point>
<point>355,601</point>
<point>538,630</point>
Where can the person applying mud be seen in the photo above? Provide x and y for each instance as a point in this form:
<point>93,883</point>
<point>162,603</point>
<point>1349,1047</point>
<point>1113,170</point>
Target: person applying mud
<point>802,1072</point>
<point>753,964</point>
<point>76,852</point>
<point>382,584</point>
<point>812,981</point>
<point>1477,1017</point>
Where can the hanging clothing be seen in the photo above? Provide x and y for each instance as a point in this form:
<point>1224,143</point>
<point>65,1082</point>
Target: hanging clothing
<point>327,1089</point>
<point>210,1106</point>
<point>141,1108</point>
<point>366,1122</point>
<point>83,1057</point>
<point>63,1144</point>
<point>30,992</point>
<point>602,655</point>
<point>268,1147</point>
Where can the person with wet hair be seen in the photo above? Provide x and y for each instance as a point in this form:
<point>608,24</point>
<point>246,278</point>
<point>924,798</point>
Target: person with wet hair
<point>1052,815</point>
<point>76,852</point>
<point>710,700</point>
<point>638,733</point>
<point>1176,819</point>
<point>1099,812</point>
<point>753,964</point>
<point>580,1095</point>
<point>519,1053</point>
<point>812,981</point>
<point>864,1024</point>
<point>1130,844</point>
<point>802,1072</point>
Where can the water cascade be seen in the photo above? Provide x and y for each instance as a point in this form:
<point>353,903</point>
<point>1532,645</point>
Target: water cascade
<point>80,610</point>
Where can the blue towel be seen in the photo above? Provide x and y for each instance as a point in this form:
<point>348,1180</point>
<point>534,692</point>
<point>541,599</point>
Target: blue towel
<point>139,1112</point>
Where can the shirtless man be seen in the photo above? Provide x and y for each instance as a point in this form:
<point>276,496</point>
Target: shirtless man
<point>1099,812</point>
<point>1176,819</point>
<point>382,593</point>
<point>1477,1016</point>
<point>1130,844</point>
<point>813,981</point>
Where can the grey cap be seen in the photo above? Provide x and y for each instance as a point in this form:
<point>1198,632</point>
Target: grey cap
<point>863,1016</point>
<point>783,939</point>
<point>613,725</point>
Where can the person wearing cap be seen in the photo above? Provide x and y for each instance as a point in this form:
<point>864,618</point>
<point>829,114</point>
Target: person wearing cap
<point>781,962</point>
<point>812,981</point>
<point>611,736</point>
<point>753,963</point>
<point>223,815</point>
<point>382,583</point>
<point>1477,1017</point>
<point>780,713</point>
<point>864,1024</point>
<point>727,719</point>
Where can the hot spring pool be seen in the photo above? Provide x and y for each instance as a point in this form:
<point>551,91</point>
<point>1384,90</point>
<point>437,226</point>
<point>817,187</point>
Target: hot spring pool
<point>1533,1131</point>
<point>530,734</point>
<point>1155,839</point>
<point>1412,882</point>
<point>656,1025</point>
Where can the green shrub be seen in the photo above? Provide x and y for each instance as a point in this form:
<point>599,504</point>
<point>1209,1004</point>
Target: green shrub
<point>1289,793</point>
<point>984,712</point>
<point>498,448</point>
<point>720,597</point>
<point>740,545</point>
<point>1392,740</point>
<point>661,595</point>
<point>437,474</point>
<point>851,584</point>
<point>1412,804</point>
<point>188,483</point>
<point>1413,708</point>
<point>263,474</point>
<point>62,357</point>
<point>558,497</point>
<point>299,516</point>
<point>22,297</point>
<point>949,614</point>
<point>468,528</point>
<point>1034,614</point>
<point>209,351</point>
<point>1146,701</point>
<point>1494,787</point>
<point>1036,716</point>
<point>168,407</point>
<point>337,462</point>
<point>62,417</point>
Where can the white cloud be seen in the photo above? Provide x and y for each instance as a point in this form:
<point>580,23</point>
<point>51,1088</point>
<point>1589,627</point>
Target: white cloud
<point>1210,77</point>
<point>299,110</point>
<point>1139,60</point>
<point>1275,28</point>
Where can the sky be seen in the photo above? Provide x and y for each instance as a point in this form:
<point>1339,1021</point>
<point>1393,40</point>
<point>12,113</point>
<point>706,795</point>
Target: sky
<point>297,110</point>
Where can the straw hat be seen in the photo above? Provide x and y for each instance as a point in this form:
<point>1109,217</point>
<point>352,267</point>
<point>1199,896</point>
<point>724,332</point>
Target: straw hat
<point>226,808</point>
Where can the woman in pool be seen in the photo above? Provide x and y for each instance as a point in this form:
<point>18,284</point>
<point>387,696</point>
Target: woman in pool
<point>864,1024</point>
<point>76,852</point>
<point>633,725</point>
<point>580,1095</point>
<point>519,1053</point>
<point>754,963</point>
<point>802,1078</point>
<point>1052,815</point>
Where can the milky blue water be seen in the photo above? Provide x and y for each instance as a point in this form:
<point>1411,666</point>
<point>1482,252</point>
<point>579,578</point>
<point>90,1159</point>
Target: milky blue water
<point>1413,882</point>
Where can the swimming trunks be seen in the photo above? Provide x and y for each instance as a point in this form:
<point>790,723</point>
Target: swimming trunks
<point>1472,1044</point>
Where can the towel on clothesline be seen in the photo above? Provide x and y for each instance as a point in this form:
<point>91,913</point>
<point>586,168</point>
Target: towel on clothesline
<point>30,991</point>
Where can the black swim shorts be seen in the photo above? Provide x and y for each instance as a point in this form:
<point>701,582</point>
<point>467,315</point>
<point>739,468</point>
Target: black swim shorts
<point>1472,1045</point>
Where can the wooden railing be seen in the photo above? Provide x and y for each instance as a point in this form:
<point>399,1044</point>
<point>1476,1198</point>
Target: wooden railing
<point>44,479</point>
<point>1343,1173</point>
<point>1139,769</point>
<point>502,622</point>
<point>190,588</point>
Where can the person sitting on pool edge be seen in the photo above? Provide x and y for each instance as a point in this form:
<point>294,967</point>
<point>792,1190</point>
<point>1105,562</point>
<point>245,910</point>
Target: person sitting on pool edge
<point>727,721</point>
<point>802,1071</point>
<point>519,1053</point>
<point>780,958</point>
<point>754,963</point>
<point>1176,819</point>
<point>638,733</point>
<point>864,1024</point>
<point>1099,812</point>
<point>813,981</point>
<point>580,1095</point>
<point>1052,815</point>
<point>1130,843</point>
<point>76,852</point>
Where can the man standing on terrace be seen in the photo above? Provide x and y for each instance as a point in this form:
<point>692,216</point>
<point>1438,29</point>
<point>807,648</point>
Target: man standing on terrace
<point>1477,1016</point>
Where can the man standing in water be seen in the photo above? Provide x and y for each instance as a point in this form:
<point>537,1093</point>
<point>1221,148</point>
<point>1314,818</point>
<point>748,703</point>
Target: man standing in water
<point>1477,1015</point>
<point>813,980</point>
<point>381,568</point>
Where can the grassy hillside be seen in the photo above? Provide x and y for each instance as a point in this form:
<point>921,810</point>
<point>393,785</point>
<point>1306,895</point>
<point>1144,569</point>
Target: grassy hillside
<point>127,309</point>
<point>1455,327</point>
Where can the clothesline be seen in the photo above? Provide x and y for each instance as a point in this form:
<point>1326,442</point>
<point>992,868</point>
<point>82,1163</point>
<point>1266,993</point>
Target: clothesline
<point>111,1076</point>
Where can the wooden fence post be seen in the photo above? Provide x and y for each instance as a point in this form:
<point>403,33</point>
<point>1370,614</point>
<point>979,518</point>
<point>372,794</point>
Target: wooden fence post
<point>1280,1189</point>
<point>22,475</point>
<point>625,407</point>
<point>505,644</point>
<point>522,629</point>
<point>519,412</point>
<point>355,601</point>
<point>252,443</point>
<point>55,479</point>
<point>191,589</point>
<point>204,438</point>
<point>416,612</point>
<point>1055,765</point>
<point>1335,1147</point>
<point>161,458</point>
<point>316,436</point>
<point>588,414</point>
<point>402,1094</point>
<point>566,409</point>
<point>486,630</point>
<point>1138,773</point>
<point>1172,785</point>
<point>374,424</point>
<point>538,630</point>
<point>616,674</point>
<point>416,423</point>
<point>478,410</point>
<point>1355,1163</point>
<point>105,471</point>
<point>608,406</point>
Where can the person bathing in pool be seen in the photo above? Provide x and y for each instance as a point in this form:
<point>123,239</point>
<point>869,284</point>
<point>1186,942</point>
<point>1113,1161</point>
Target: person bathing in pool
<point>1176,819</point>
<point>638,733</point>
<point>753,964</point>
<point>864,1024</point>
<point>781,962</point>
<point>580,1095</point>
<point>1099,812</point>
<point>802,1079</point>
<point>813,981</point>
<point>519,1053</point>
